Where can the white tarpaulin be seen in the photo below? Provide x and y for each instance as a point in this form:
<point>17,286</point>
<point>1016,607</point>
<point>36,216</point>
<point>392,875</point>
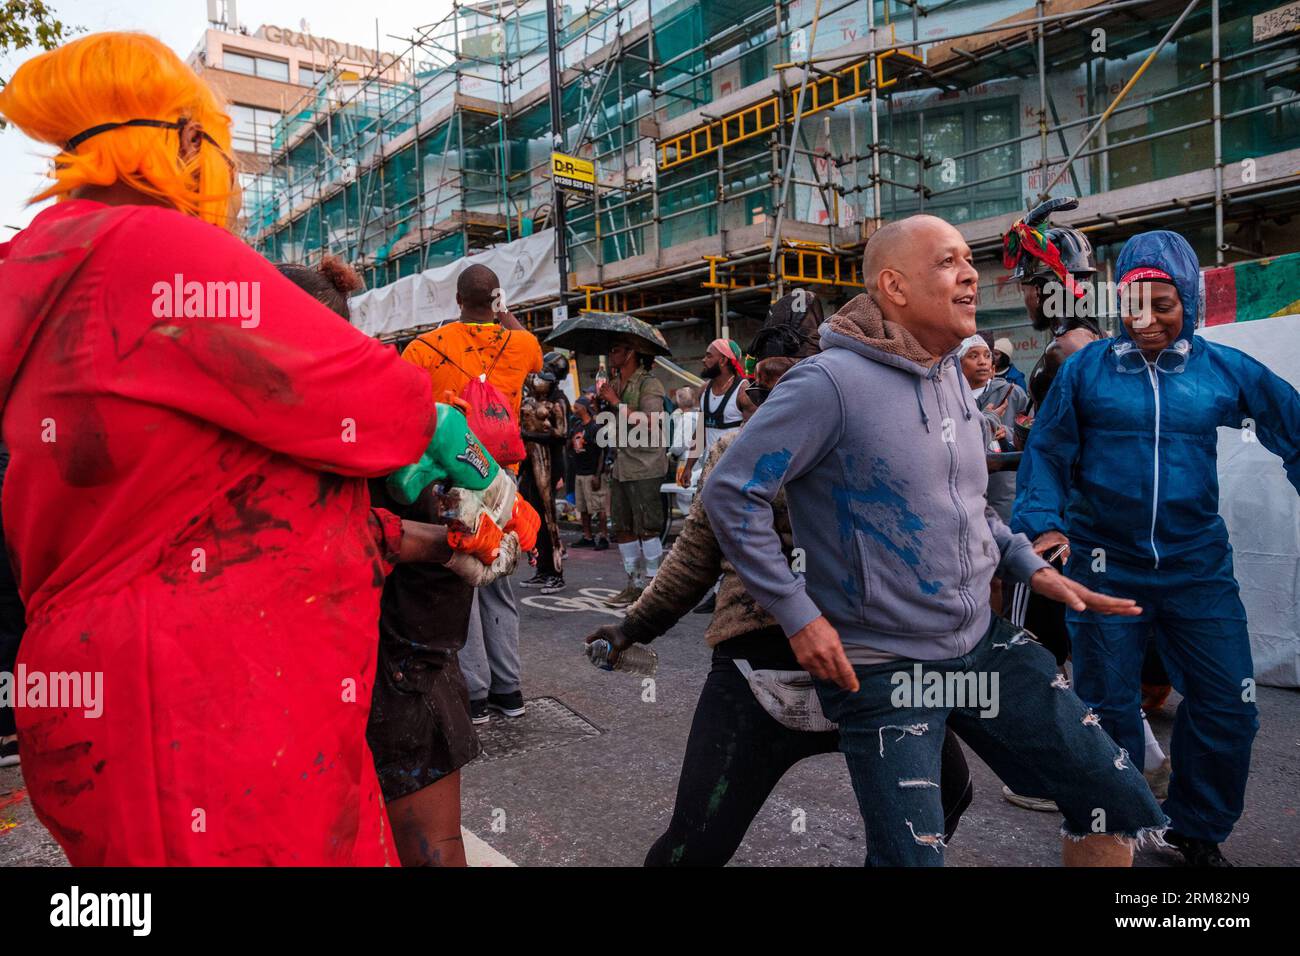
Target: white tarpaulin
<point>1262,510</point>
<point>526,268</point>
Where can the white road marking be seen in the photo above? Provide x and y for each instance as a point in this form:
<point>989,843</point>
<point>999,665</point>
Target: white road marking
<point>480,853</point>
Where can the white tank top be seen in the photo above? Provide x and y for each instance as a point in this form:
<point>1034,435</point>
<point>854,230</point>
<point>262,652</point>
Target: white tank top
<point>721,412</point>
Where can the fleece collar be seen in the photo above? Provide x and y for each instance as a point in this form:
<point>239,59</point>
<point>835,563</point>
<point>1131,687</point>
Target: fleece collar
<point>861,327</point>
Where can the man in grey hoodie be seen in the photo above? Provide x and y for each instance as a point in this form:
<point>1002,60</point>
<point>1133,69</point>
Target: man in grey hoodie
<point>898,548</point>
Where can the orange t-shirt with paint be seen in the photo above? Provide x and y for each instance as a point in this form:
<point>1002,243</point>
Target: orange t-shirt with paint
<point>453,352</point>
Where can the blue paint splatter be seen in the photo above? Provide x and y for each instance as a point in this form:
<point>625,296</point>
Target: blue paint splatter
<point>882,499</point>
<point>769,468</point>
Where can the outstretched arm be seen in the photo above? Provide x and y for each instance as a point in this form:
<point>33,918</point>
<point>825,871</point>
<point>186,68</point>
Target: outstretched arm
<point>780,443</point>
<point>1271,407</point>
<point>684,577</point>
<point>1043,483</point>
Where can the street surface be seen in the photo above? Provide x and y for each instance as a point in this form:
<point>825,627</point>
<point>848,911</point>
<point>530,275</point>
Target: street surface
<point>588,776</point>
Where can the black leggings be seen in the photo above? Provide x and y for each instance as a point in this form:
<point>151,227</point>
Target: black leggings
<point>534,496</point>
<point>737,753</point>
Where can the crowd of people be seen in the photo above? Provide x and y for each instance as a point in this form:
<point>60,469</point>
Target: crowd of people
<point>290,548</point>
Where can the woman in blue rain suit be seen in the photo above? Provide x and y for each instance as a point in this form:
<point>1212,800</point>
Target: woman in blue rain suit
<point>1121,465</point>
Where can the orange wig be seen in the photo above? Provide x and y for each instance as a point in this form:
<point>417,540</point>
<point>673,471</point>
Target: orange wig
<point>109,78</point>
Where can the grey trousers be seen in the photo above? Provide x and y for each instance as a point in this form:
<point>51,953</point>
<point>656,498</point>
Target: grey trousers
<point>490,657</point>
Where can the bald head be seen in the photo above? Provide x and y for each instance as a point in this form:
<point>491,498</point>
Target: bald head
<point>919,271</point>
<point>894,244</point>
<point>476,287</point>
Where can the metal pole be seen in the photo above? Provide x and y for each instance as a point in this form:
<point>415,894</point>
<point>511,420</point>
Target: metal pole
<point>875,124</point>
<point>1042,96</point>
<point>719,311</point>
<point>1151,57</point>
<point>651,47</point>
<point>1219,245</point>
<point>921,158</point>
<point>557,139</point>
<point>794,141</point>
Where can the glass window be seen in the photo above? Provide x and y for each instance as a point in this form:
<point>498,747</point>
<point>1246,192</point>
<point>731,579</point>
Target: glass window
<point>253,128</point>
<point>273,69</point>
<point>243,121</point>
<point>308,76</point>
<point>238,63</point>
<point>964,144</point>
<point>255,65</point>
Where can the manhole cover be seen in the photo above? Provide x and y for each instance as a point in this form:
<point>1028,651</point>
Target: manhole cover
<point>546,723</point>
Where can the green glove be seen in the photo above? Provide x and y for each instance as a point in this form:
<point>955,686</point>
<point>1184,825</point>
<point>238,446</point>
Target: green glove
<point>454,456</point>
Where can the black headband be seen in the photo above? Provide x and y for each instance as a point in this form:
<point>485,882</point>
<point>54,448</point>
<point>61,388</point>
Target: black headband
<point>177,125</point>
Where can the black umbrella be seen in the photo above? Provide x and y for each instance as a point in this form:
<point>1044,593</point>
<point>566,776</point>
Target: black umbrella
<point>592,333</point>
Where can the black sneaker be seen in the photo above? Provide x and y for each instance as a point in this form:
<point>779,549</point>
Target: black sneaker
<point>554,584</point>
<point>9,752</point>
<point>602,544</point>
<point>1196,852</point>
<point>536,581</point>
<point>478,711</point>
<point>708,605</point>
<point>512,705</point>
<point>584,543</point>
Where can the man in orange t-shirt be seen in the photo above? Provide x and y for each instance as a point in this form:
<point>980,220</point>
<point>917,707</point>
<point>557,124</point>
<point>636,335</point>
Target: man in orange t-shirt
<point>480,341</point>
<point>484,341</point>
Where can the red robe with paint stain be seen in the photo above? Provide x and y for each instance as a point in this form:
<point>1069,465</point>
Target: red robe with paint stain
<point>187,513</point>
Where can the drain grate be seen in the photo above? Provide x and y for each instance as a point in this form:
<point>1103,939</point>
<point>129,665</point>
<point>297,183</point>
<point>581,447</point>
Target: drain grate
<point>546,723</point>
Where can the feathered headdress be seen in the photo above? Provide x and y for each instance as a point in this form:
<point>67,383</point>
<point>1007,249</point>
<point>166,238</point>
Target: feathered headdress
<point>1025,238</point>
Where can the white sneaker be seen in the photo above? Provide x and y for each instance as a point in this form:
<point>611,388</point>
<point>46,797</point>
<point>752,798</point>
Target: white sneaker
<point>1041,804</point>
<point>1158,779</point>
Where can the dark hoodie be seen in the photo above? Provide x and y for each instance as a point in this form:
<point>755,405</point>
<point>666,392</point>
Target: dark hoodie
<point>887,505</point>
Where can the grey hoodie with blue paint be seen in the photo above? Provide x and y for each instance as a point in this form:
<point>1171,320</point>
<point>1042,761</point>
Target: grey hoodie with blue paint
<point>881,454</point>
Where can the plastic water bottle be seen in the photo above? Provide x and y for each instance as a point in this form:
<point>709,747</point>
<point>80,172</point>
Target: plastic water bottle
<point>637,659</point>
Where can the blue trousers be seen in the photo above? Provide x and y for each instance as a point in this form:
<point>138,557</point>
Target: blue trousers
<point>1029,727</point>
<point>1199,627</point>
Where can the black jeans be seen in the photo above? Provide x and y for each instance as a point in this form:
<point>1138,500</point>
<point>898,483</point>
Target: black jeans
<point>737,753</point>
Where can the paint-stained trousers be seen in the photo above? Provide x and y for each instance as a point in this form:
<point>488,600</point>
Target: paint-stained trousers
<point>490,657</point>
<point>737,753</point>
<point>1042,739</point>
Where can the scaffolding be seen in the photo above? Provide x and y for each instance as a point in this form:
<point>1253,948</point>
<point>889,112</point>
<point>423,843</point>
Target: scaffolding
<point>746,146</point>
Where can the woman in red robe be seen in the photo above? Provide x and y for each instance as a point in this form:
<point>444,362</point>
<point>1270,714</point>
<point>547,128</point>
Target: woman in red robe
<point>186,505</point>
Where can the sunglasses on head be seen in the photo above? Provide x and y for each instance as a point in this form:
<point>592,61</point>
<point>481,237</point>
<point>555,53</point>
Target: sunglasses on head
<point>178,125</point>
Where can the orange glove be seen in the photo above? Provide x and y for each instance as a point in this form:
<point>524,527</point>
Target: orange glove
<point>482,544</point>
<point>450,398</point>
<point>524,522</point>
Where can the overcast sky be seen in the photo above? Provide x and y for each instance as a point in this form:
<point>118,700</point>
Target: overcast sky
<point>180,24</point>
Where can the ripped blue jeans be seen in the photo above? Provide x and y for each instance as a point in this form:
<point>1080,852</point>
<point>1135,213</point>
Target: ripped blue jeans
<point>1007,702</point>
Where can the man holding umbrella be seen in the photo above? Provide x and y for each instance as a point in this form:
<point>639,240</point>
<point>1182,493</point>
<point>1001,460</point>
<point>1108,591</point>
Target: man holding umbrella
<point>638,403</point>
<point>637,398</point>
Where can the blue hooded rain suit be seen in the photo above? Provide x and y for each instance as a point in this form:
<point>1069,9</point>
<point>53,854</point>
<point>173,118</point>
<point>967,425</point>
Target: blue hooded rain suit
<point>1122,460</point>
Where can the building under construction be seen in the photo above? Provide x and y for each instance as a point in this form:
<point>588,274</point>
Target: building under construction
<point>742,147</point>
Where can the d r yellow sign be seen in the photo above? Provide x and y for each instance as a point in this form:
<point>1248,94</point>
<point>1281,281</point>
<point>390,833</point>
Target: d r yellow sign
<point>574,174</point>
